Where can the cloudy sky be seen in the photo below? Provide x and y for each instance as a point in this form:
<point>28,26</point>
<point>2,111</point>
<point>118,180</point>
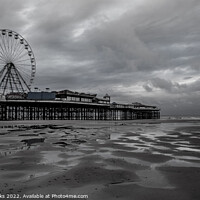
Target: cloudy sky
<point>135,50</point>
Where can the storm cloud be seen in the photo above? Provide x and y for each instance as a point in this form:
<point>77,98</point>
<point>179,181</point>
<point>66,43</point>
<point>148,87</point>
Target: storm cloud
<point>134,50</point>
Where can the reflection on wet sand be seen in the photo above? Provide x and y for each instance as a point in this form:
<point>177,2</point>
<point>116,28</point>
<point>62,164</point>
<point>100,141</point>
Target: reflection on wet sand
<point>104,159</point>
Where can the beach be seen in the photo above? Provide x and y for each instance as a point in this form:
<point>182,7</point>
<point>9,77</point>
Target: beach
<point>126,160</point>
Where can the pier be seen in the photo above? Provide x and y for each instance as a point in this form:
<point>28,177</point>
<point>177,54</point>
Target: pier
<point>67,105</point>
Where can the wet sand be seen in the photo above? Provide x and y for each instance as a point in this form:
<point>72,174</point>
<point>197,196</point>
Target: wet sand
<point>142,159</point>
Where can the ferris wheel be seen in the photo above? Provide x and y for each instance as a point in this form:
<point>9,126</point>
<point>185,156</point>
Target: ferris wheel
<point>17,63</point>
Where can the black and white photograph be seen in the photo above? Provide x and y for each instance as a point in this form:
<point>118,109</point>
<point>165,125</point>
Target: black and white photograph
<point>100,99</point>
